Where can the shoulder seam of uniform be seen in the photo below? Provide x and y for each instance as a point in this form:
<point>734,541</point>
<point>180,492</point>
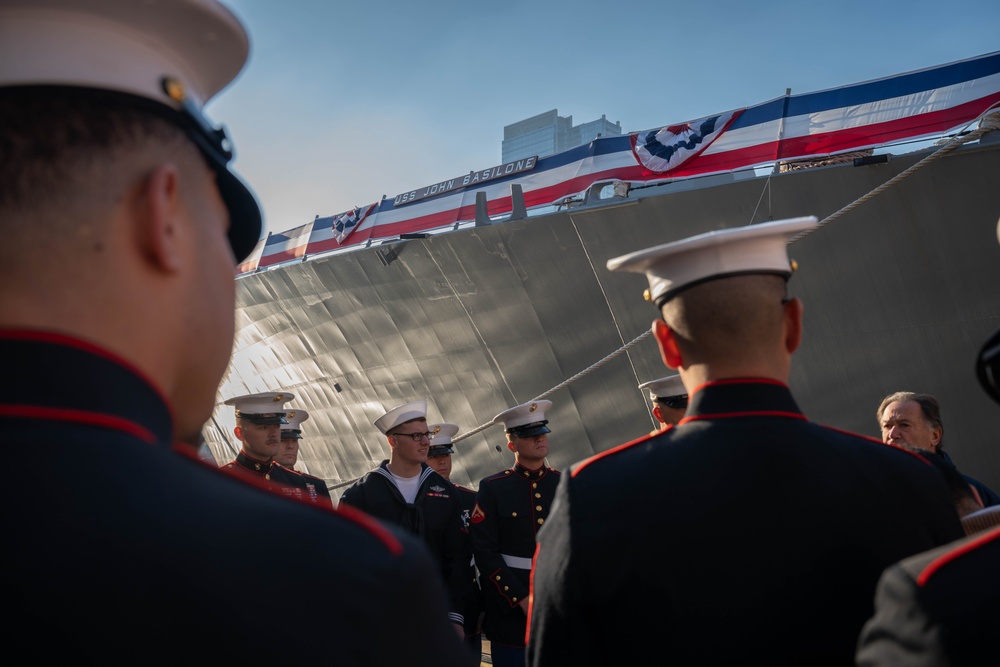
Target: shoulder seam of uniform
<point>610,452</point>
<point>955,553</point>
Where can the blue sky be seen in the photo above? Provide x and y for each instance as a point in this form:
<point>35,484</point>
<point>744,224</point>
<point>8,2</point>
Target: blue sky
<point>343,101</point>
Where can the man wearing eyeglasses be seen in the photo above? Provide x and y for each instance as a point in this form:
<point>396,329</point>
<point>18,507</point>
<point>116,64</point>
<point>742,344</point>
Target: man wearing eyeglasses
<point>670,400</point>
<point>405,491</point>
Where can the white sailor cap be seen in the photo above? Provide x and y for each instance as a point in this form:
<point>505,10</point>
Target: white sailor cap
<point>667,387</point>
<point>525,420</point>
<point>400,415</point>
<point>177,53</point>
<point>264,408</point>
<point>292,428</point>
<point>753,249</point>
<point>441,435</point>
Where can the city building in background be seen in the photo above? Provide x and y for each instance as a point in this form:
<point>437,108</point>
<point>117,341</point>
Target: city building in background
<point>549,133</point>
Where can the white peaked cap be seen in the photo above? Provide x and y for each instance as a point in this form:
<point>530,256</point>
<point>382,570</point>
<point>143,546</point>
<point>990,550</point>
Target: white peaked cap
<point>525,420</point>
<point>441,434</point>
<point>177,53</point>
<point>664,387</point>
<point>263,408</point>
<point>401,414</point>
<point>294,418</point>
<point>672,267</point>
<point>122,45</point>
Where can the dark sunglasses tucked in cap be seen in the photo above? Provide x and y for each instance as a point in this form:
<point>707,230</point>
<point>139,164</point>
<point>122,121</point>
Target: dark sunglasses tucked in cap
<point>674,402</point>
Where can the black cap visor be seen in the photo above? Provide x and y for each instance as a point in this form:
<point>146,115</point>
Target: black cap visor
<point>245,220</point>
<point>530,430</point>
<point>264,418</point>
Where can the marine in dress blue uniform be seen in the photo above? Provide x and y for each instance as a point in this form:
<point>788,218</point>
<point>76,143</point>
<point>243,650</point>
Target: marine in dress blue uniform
<point>669,399</point>
<point>288,454</point>
<point>259,418</point>
<point>511,506</point>
<point>120,545</point>
<point>746,534</point>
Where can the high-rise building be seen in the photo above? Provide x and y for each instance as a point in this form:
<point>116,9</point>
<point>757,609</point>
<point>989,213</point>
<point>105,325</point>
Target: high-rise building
<point>549,133</point>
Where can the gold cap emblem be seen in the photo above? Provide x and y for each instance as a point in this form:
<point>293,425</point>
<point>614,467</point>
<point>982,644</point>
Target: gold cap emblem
<point>646,296</point>
<point>534,406</point>
<point>174,89</point>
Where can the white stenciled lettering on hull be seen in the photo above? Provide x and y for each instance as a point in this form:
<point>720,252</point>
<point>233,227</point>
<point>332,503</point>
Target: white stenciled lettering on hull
<point>472,178</point>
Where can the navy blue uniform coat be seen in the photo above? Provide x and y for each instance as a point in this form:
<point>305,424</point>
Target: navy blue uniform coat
<point>118,549</point>
<point>940,608</point>
<point>511,507</point>
<point>435,515</point>
<point>745,535</point>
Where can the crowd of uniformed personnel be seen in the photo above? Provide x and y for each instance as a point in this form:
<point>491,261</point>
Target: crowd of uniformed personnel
<point>695,516</point>
<point>738,532</point>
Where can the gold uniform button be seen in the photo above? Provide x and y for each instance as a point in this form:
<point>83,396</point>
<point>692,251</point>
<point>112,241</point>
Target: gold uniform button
<point>506,588</point>
<point>538,495</point>
<point>541,521</point>
<point>513,513</point>
<point>534,485</point>
<point>538,508</point>
<point>498,578</point>
<point>514,599</point>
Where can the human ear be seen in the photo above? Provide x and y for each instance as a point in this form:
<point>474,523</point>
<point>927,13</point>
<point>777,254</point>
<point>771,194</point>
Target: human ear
<point>793,324</point>
<point>158,217</point>
<point>667,343</point>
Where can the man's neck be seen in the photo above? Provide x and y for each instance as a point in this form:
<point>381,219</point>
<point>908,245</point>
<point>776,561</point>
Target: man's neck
<point>699,374</point>
<point>404,469</point>
<point>254,457</point>
<point>529,464</point>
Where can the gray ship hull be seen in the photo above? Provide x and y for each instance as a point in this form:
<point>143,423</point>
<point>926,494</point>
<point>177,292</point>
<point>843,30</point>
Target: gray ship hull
<point>899,294</point>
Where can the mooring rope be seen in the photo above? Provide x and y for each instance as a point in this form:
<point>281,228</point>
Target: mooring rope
<point>565,383</point>
<point>989,120</point>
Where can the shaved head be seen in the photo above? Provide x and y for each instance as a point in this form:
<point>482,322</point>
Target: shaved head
<point>69,157</point>
<point>729,319</point>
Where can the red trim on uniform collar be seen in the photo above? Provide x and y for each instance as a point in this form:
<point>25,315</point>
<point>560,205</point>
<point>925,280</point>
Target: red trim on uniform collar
<point>956,553</point>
